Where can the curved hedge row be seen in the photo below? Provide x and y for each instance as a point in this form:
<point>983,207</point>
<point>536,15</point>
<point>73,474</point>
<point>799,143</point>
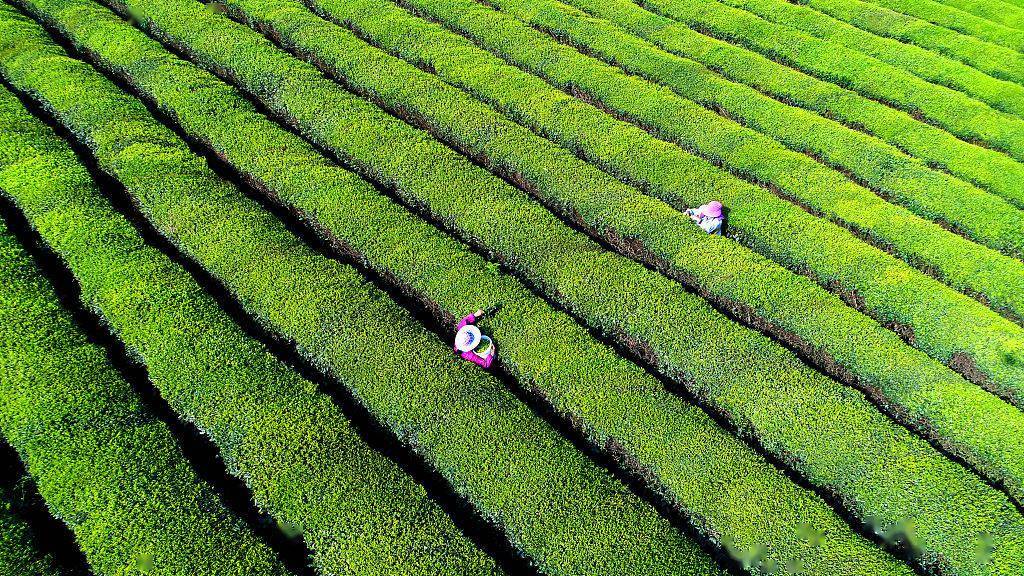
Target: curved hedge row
<point>881,360</point>
<point>989,169</point>
<point>956,112</point>
<point>868,29</point>
<point>818,184</point>
<point>944,16</point>
<point>932,410</point>
<point>19,554</point>
<point>938,417</point>
<point>556,506</point>
<point>1001,12</point>
<point>1001,94</point>
<point>675,446</point>
<point>294,449</point>
<point>741,374</point>
<point>757,217</point>
<point>105,465</point>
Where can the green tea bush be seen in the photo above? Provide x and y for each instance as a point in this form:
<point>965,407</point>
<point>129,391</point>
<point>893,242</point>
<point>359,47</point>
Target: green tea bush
<point>564,513</point>
<point>103,463</point>
<point>622,216</point>
<point>294,449</point>
<point>988,169</point>
<point>823,188</point>
<point>904,43</point>
<point>674,445</point>
<point>978,33</point>
<point>1005,13</point>
<point>963,116</point>
<point>20,554</point>
<point>880,285</point>
<point>764,389</point>
<point>390,80</point>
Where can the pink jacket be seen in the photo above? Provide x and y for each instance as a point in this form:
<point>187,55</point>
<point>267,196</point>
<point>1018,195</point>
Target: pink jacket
<point>709,224</point>
<point>471,355</point>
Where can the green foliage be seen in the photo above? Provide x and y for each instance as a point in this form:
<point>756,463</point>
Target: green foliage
<point>1004,12</point>
<point>867,350</point>
<point>851,450</point>
<point>682,451</point>
<point>989,169</point>
<point>876,357</point>
<point>19,554</point>
<point>823,187</point>
<point>294,449</point>
<point>553,503</point>
<point>916,58</point>
<point>890,291</point>
<point>104,464</point>
<point>987,46</point>
<point>956,112</point>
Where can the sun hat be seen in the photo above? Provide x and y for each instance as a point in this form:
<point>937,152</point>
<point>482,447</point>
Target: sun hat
<point>713,209</point>
<point>467,338</point>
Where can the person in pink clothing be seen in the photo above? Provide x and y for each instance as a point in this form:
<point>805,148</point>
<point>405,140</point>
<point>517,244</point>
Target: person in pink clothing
<point>471,344</point>
<point>709,217</point>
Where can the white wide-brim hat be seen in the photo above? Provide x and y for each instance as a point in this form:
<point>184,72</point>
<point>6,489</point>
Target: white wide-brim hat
<point>467,338</point>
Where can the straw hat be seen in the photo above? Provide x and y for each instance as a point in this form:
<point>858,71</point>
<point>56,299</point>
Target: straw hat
<point>467,338</point>
<point>713,209</point>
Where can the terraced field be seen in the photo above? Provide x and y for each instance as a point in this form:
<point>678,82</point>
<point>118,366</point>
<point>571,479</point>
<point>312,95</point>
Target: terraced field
<point>237,238</point>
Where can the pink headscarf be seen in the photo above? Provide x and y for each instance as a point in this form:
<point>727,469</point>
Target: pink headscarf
<point>712,209</point>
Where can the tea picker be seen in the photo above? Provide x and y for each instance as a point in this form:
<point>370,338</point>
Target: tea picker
<point>471,344</point>
<point>709,217</point>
